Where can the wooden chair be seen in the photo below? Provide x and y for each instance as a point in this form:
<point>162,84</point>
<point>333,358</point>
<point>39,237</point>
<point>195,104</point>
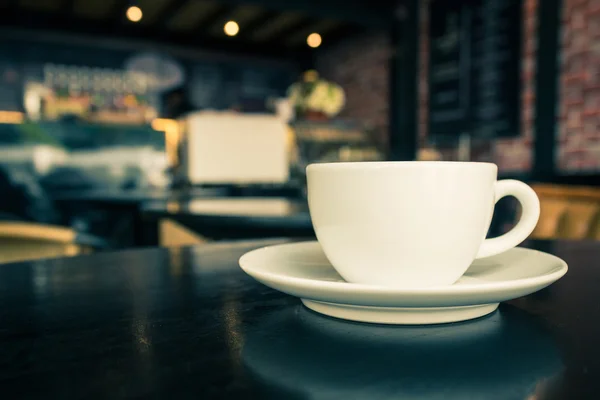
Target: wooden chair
<point>579,220</point>
<point>21,241</point>
<point>552,213</point>
<point>173,234</point>
<point>567,212</point>
<point>595,231</point>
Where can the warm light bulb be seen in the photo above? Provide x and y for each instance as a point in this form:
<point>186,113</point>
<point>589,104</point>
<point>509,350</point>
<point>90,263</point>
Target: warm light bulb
<point>231,28</point>
<point>314,40</point>
<point>134,14</point>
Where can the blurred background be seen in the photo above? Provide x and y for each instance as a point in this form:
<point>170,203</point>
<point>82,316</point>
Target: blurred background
<point>131,123</point>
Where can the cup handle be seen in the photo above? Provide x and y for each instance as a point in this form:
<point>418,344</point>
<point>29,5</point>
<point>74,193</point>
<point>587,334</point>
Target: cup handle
<point>529,217</point>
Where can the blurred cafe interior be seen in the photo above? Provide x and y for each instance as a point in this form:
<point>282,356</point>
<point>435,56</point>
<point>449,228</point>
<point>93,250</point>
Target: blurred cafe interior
<point>133,123</point>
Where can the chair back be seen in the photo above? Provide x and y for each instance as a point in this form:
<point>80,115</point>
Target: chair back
<point>22,241</point>
<point>567,212</point>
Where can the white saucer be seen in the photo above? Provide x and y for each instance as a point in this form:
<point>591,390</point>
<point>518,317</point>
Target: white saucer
<point>302,270</point>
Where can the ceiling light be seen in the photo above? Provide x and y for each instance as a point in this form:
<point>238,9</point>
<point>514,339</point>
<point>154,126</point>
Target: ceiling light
<point>314,40</point>
<point>134,14</point>
<point>231,28</point>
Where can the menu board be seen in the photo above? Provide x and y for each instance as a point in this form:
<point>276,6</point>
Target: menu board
<point>474,76</point>
<point>205,85</point>
<point>242,87</point>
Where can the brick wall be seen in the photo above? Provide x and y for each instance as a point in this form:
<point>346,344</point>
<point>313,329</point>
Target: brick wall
<point>579,133</point>
<point>360,66</point>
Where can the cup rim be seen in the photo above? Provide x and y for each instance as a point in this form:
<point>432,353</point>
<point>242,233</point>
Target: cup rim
<point>400,164</point>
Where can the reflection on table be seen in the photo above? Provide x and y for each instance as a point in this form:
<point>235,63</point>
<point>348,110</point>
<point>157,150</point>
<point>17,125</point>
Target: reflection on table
<point>179,322</point>
<point>506,355</point>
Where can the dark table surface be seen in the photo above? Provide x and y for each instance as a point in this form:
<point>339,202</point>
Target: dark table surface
<point>132,196</point>
<point>237,217</point>
<point>214,212</point>
<point>115,213</point>
<point>116,196</point>
<point>189,324</point>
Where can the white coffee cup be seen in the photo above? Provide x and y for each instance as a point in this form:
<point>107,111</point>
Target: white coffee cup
<point>411,224</point>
